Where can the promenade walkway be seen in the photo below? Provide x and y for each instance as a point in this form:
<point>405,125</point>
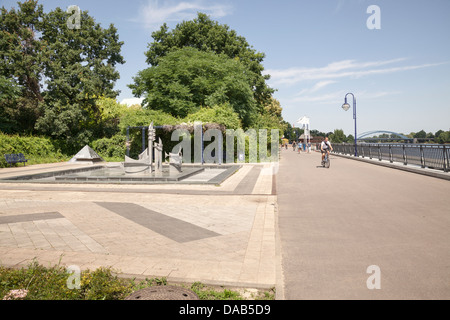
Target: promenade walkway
<point>310,232</point>
<point>223,235</point>
<point>335,223</point>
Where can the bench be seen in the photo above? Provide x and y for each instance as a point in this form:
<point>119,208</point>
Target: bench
<point>15,158</point>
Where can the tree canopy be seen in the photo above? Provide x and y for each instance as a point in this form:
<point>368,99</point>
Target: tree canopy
<point>55,72</point>
<point>187,80</point>
<point>209,36</point>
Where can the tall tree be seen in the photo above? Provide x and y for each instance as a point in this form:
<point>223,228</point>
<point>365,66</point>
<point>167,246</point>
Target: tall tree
<point>420,135</point>
<point>338,136</point>
<point>187,79</point>
<point>205,34</point>
<point>273,108</point>
<point>61,70</point>
<point>21,63</point>
<point>80,67</point>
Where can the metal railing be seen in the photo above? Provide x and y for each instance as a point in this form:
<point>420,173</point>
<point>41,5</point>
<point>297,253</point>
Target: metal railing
<point>434,156</point>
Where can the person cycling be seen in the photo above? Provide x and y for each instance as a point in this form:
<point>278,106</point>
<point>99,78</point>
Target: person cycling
<point>325,147</point>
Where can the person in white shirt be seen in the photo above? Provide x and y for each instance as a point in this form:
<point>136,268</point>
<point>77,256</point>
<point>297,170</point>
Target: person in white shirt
<point>325,147</point>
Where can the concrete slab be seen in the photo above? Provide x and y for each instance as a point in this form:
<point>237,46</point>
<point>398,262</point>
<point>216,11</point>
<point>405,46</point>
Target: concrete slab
<point>227,229</point>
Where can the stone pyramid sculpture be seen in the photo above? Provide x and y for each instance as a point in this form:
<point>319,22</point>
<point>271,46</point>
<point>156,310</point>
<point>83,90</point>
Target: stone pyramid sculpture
<point>86,155</point>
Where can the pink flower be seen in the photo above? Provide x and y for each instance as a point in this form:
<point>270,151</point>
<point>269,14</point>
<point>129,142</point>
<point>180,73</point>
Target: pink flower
<point>16,294</point>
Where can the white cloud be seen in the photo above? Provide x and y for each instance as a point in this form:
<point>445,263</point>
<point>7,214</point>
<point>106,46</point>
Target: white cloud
<point>319,85</point>
<point>340,69</point>
<point>154,13</point>
<point>332,97</point>
<point>132,101</point>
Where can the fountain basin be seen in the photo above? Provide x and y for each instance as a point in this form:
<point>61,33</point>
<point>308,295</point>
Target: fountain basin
<point>114,173</point>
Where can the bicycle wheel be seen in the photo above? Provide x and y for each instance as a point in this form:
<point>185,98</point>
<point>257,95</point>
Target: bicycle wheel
<point>327,163</point>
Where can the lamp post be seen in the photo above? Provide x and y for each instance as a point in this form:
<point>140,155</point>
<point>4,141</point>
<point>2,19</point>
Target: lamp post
<point>346,106</point>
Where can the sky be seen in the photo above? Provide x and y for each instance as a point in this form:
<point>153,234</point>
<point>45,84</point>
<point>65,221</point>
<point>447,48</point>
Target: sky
<point>392,56</point>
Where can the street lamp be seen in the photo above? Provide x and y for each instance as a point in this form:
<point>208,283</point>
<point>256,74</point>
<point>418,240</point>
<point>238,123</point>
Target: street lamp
<point>346,106</point>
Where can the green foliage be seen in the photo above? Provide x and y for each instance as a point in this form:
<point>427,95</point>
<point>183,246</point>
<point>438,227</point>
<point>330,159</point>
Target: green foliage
<point>268,121</point>
<point>220,114</point>
<point>21,60</point>
<point>76,66</point>
<point>100,284</point>
<point>187,79</point>
<point>143,117</point>
<point>443,137</point>
<point>135,117</point>
<point>68,122</point>
<point>420,134</point>
<point>110,112</point>
<point>202,64</point>
<point>36,149</point>
<point>59,82</point>
<point>350,138</point>
<point>50,283</point>
<point>338,136</point>
<point>273,109</point>
<point>110,109</point>
<point>292,133</point>
<point>9,91</point>
<point>111,149</point>
<point>207,35</point>
<point>439,136</point>
<point>205,293</point>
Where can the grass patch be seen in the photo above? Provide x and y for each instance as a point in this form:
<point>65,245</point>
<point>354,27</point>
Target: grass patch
<point>55,283</point>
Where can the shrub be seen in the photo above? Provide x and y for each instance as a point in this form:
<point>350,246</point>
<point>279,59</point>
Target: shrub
<point>50,283</point>
<point>143,117</point>
<point>36,149</point>
<point>111,149</point>
<point>220,114</point>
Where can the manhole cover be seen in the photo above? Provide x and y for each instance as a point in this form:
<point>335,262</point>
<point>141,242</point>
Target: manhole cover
<point>163,293</point>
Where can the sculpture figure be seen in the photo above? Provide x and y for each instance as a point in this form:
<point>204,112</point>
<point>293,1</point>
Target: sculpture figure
<point>158,156</point>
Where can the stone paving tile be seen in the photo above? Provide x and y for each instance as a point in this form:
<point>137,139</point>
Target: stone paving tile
<point>175,229</point>
<point>29,217</point>
<point>90,235</point>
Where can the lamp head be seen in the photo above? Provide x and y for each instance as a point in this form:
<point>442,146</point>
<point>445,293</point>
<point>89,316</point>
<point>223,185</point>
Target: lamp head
<point>346,106</point>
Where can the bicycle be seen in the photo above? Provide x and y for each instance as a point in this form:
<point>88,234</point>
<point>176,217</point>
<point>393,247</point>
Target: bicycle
<point>326,161</point>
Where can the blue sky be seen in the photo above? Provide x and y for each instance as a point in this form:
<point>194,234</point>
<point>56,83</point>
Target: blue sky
<point>316,52</point>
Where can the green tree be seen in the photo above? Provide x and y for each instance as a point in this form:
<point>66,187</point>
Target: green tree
<point>273,108</point>
<point>220,114</point>
<point>290,132</point>
<point>110,113</point>
<point>9,92</point>
<point>444,137</point>
<point>338,136</point>
<point>80,67</point>
<point>420,135</point>
<point>60,70</point>
<point>438,133</point>
<point>317,133</point>
<point>186,80</point>
<point>21,61</point>
<point>350,138</point>
<point>207,35</point>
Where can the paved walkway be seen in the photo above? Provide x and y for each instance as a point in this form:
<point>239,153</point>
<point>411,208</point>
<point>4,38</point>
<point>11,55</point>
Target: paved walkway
<point>312,232</point>
<point>213,234</point>
<point>339,223</point>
